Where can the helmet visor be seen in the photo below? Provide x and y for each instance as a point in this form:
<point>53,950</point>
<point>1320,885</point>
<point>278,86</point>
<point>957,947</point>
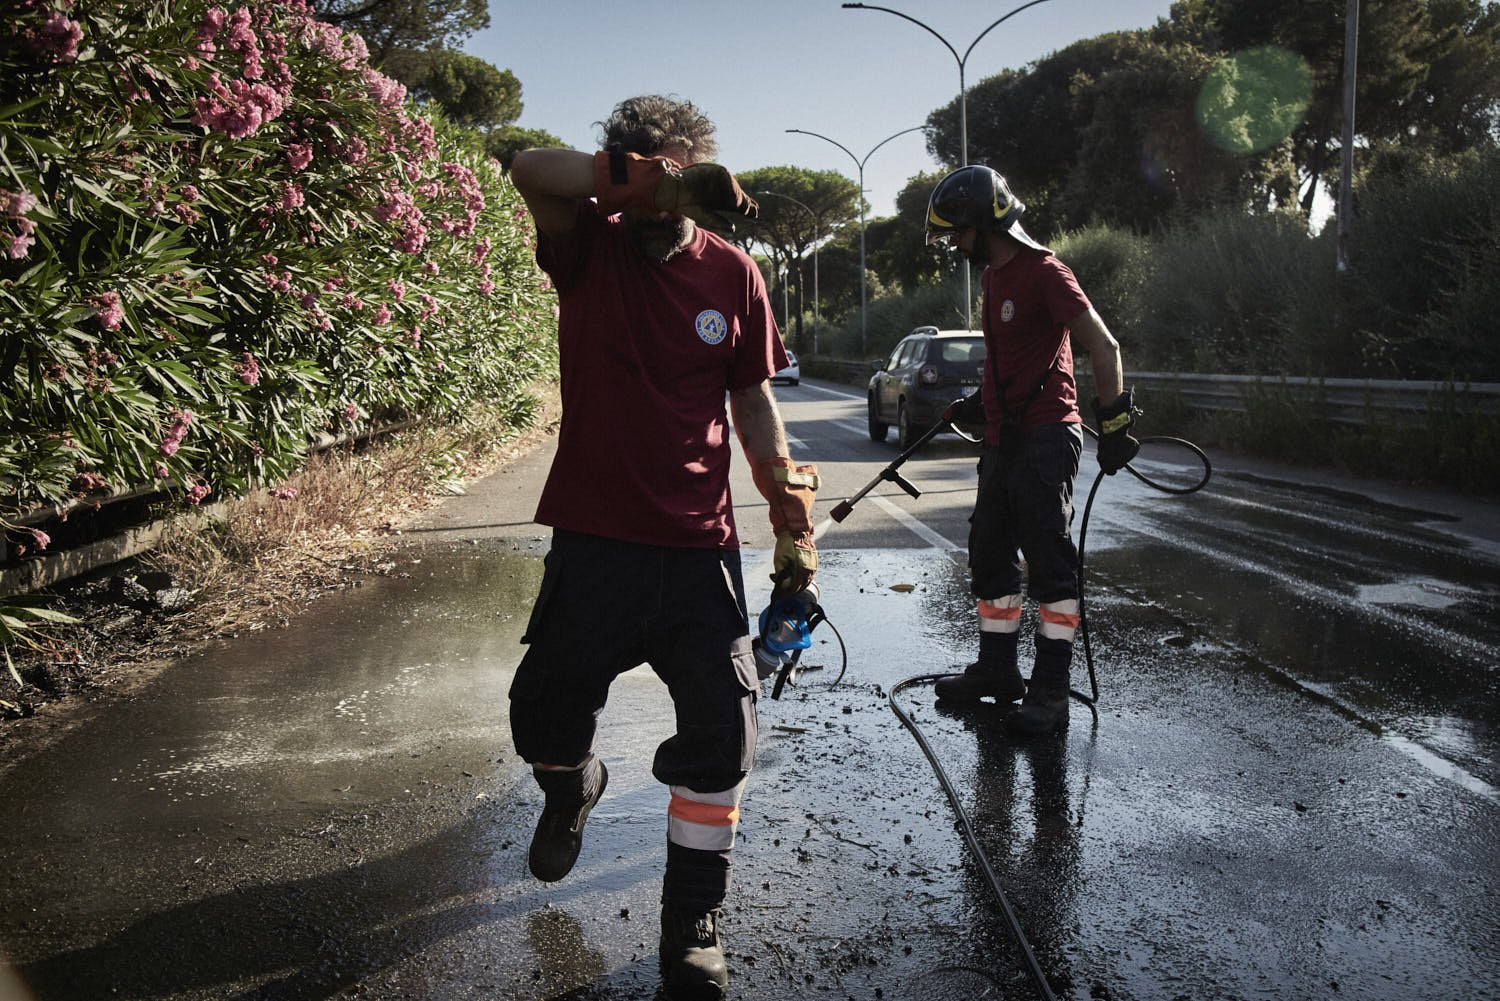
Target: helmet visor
<point>945,220</point>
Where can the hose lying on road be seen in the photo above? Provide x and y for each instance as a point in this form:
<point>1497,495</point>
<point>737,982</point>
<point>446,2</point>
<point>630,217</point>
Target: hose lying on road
<point>1033,968</point>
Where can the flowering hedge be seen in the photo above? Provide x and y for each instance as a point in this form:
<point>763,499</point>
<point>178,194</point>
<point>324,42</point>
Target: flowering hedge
<point>221,233</point>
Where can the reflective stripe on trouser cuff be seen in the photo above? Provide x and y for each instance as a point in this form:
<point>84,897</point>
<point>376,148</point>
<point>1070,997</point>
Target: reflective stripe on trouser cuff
<point>1000,615</point>
<point>1059,619</point>
<point>543,767</point>
<point>706,821</point>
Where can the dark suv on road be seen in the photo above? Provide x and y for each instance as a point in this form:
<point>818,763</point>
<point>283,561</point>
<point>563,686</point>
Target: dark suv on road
<point>928,370</point>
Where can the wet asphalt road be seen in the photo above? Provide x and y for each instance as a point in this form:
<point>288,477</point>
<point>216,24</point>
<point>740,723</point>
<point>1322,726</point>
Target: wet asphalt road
<point>1290,790</point>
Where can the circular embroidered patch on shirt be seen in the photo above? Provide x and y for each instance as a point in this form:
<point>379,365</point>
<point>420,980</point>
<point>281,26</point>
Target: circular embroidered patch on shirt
<point>1007,311</point>
<point>712,327</point>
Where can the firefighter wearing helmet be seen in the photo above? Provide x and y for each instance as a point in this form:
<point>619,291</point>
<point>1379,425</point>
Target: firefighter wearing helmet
<point>1033,311</point>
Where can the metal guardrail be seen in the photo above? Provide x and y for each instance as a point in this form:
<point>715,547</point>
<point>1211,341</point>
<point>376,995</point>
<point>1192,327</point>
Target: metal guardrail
<point>1344,401</point>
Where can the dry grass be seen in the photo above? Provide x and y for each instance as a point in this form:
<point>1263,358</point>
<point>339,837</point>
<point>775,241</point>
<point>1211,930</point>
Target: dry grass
<point>266,556</point>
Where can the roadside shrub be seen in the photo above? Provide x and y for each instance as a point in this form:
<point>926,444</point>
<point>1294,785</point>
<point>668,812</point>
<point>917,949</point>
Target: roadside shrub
<point>893,316</point>
<point>223,233</point>
<point>1425,256</point>
<point>1237,293</point>
<point>1113,266</point>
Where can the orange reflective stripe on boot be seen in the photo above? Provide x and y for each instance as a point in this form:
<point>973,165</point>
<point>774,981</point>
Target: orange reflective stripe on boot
<point>1000,615</point>
<point>704,820</point>
<point>1059,619</point>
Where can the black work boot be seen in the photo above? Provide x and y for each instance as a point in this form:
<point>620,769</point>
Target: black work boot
<point>692,960</point>
<point>1045,708</point>
<point>977,681</point>
<point>559,832</point>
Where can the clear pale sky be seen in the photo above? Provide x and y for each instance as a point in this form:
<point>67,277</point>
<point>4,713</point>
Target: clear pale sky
<point>760,67</point>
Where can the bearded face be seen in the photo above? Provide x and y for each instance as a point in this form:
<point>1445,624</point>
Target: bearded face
<point>973,245</point>
<point>661,238</point>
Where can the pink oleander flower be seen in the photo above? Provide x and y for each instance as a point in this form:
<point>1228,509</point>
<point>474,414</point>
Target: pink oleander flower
<point>197,492</point>
<point>110,313</point>
<point>381,316</point>
<point>212,23</point>
<point>20,244</point>
<point>412,239</point>
<point>284,493</point>
<point>249,370</point>
<point>398,290</point>
<point>299,155</point>
<point>58,40</point>
<point>350,413</point>
<point>40,539</point>
<point>90,481</point>
<point>239,109</point>
<point>291,197</point>
<point>190,194</point>
<point>486,287</point>
<point>18,203</point>
<point>186,213</point>
<point>181,420</point>
<point>160,470</point>
<point>386,92</point>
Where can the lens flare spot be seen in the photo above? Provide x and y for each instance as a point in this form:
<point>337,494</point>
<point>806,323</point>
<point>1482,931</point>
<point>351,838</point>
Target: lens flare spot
<point>1253,100</point>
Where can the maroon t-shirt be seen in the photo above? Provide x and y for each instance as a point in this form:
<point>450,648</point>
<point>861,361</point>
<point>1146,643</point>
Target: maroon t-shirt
<point>1028,302</point>
<point>648,351</point>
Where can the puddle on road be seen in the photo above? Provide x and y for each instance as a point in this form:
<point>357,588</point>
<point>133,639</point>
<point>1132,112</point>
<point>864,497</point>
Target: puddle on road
<point>1421,592</point>
<point>1125,846</point>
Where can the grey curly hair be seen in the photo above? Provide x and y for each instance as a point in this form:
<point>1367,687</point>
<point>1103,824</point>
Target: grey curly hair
<point>648,124</point>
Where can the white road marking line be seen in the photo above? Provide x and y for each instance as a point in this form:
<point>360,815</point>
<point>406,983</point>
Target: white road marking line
<point>919,529</point>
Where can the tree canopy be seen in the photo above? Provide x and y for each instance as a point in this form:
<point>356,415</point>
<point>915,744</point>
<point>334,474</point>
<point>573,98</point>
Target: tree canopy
<point>799,208</point>
<point>505,142</point>
<point>390,25</point>
<point>470,90</point>
<point>1225,103</point>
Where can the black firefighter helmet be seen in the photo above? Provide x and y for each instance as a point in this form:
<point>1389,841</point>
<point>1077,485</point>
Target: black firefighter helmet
<point>976,196</point>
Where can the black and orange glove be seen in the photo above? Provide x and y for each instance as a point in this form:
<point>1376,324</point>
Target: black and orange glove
<point>706,193</point>
<point>966,410</point>
<point>789,490</point>
<point>1116,446</point>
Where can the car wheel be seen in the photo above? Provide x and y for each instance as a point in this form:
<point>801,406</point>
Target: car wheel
<point>877,428</point>
<point>903,428</point>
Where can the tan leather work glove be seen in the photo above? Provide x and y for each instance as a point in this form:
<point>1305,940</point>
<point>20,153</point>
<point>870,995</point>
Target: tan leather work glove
<point>706,193</point>
<point>709,195</point>
<point>789,491</point>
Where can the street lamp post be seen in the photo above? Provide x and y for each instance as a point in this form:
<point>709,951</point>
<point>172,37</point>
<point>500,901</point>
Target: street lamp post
<point>786,299</point>
<point>963,101</point>
<point>817,235</point>
<point>860,165</point>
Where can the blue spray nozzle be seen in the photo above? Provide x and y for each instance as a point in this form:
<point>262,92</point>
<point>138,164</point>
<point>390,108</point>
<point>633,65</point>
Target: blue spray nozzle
<point>784,623</point>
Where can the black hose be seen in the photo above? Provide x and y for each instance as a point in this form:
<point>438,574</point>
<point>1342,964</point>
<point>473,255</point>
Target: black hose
<point>1032,966</point>
<point>1091,700</point>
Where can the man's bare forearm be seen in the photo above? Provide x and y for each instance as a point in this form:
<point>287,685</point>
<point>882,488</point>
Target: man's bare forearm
<point>757,422</point>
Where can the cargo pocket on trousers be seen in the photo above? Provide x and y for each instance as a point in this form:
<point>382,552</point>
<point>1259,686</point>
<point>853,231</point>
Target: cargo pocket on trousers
<point>551,571</point>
